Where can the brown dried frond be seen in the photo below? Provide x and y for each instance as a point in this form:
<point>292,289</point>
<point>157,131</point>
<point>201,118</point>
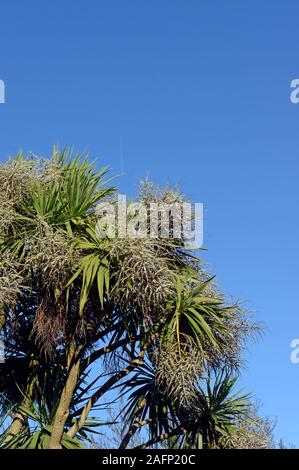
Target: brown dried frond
<point>49,325</point>
<point>51,258</point>
<point>178,369</point>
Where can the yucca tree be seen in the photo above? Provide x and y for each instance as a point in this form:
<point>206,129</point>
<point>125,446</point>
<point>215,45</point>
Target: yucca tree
<point>40,409</point>
<point>143,309</point>
<point>214,413</point>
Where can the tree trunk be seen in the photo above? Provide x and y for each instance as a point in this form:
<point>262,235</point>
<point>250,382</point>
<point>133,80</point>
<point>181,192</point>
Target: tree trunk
<point>137,424</point>
<point>62,412</point>
<point>99,393</point>
<point>19,420</point>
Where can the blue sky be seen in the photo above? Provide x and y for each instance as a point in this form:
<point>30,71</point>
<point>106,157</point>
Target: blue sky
<point>189,92</point>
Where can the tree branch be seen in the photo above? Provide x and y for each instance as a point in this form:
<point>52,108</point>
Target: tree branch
<point>137,424</point>
<point>102,390</point>
<point>62,411</point>
<point>176,432</point>
<point>107,349</point>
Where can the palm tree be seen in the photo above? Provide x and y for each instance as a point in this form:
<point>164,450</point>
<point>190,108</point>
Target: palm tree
<point>215,412</point>
<point>145,309</point>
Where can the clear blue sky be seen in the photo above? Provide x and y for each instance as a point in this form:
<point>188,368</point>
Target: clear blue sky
<point>189,92</point>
